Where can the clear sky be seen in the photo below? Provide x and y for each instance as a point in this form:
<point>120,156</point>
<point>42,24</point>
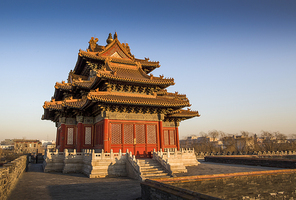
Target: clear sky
<point>234,59</point>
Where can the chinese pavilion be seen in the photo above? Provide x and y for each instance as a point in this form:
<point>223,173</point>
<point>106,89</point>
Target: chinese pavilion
<point>112,101</point>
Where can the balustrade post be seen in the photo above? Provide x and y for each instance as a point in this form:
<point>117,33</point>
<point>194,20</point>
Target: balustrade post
<point>120,154</point>
<point>111,154</point>
<point>93,155</point>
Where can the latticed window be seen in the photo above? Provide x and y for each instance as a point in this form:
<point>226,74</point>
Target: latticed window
<point>140,133</point>
<point>70,134</point>
<point>128,133</point>
<point>172,137</point>
<point>166,137</point>
<point>151,134</point>
<point>87,135</point>
<point>115,133</point>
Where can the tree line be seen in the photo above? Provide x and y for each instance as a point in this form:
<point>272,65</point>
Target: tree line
<point>219,141</point>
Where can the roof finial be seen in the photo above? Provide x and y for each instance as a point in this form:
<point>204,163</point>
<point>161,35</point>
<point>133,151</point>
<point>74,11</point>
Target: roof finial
<point>115,35</point>
<point>110,39</point>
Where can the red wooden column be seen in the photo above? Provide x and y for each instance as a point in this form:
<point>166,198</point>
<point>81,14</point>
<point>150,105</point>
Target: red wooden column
<point>106,136</point>
<point>58,138</point>
<point>79,119</point>
<point>79,136</point>
<point>177,138</point>
<point>62,136</point>
<point>161,135</point>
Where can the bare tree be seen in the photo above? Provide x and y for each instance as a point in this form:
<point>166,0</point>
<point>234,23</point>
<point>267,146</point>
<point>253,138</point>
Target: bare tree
<point>214,134</point>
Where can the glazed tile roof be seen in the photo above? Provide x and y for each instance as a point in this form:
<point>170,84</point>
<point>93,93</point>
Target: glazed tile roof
<point>184,113</point>
<point>109,97</point>
<point>117,98</point>
<point>85,84</point>
<point>53,105</point>
<point>63,86</point>
<point>128,73</point>
<point>78,83</point>
<point>112,64</point>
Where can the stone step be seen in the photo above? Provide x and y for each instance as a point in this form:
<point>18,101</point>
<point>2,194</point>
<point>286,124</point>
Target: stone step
<point>156,177</point>
<point>151,169</point>
<point>100,167</point>
<point>99,171</point>
<point>157,172</point>
<point>150,166</point>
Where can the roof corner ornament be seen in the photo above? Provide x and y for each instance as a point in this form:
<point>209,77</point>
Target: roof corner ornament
<point>115,36</point>
<point>127,48</point>
<point>151,76</point>
<point>93,44</point>
<point>109,39</point>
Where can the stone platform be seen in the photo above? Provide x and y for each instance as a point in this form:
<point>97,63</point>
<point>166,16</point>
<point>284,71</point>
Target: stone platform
<point>36,184</point>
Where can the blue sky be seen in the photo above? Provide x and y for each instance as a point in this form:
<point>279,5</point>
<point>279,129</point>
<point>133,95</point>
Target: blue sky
<point>235,60</point>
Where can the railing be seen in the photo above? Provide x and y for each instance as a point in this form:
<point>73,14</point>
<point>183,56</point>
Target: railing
<point>134,163</point>
<point>159,157</point>
<point>174,153</point>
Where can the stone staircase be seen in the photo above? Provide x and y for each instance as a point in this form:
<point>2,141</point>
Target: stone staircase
<point>151,169</point>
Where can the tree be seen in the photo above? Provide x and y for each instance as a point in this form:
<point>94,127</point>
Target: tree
<point>214,134</point>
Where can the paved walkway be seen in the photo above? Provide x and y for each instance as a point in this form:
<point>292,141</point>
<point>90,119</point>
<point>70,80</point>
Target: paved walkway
<point>36,184</point>
<point>207,168</point>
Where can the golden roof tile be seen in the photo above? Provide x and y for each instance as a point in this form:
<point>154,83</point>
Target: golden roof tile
<point>112,97</point>
<point>63,86</point>
<point>129,73</point>
<point>184,113</point>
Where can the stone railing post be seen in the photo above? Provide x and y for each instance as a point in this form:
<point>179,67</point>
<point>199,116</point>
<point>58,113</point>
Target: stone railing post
<point>93,155</point>
<point>66,153</point>
<point>111,154</point>
<point>120,154</point>
<point>102,154</point>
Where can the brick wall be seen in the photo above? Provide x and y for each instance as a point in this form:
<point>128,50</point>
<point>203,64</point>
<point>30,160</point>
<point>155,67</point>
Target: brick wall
<point>10,173</point>
<point>156,190</point>
<point>273,184</point>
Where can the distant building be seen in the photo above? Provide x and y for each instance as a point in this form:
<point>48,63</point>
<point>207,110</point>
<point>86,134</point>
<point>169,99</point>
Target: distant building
<point>7,146</point>
<point>7,142</point>
<point>27,146</point>
<point>190,141</point>
<point>51,147</point>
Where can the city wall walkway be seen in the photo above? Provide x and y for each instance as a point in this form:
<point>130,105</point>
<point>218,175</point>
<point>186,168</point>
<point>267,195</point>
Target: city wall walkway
<point>35,184</point>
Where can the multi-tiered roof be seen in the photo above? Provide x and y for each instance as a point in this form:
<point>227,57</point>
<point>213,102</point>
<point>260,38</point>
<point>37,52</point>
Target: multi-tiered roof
<point>110,78</point>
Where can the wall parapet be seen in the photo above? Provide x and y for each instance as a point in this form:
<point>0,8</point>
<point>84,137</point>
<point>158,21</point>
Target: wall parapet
<point>201,155</point>
<point>270,184</point>
<point>251,160</point>
<point>10,174</point>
